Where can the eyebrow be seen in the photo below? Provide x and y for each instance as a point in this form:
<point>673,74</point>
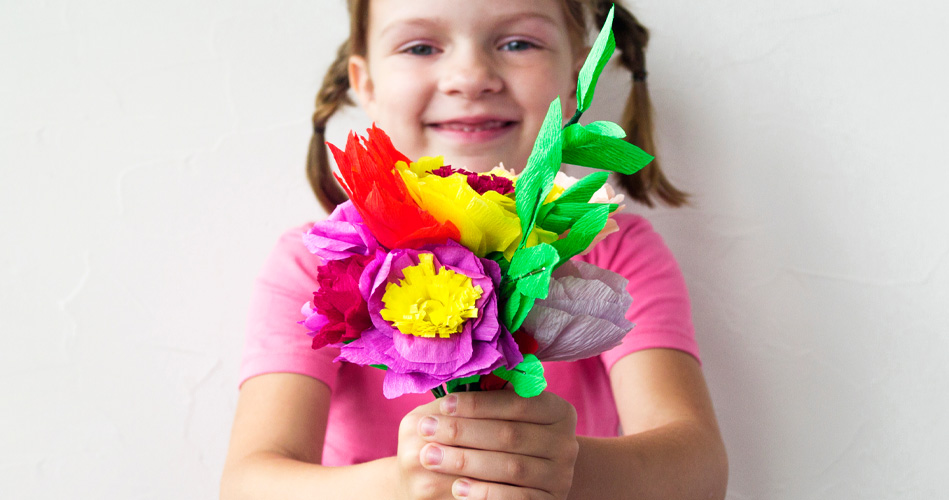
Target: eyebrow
<point>427,22</point>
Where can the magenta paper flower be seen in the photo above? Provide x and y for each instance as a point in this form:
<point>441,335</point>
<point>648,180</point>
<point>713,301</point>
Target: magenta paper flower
<point>423,343</point>
<point>583,315</point>
<point>481,183</point>
<point>338,312</point>
<point>341,235</point>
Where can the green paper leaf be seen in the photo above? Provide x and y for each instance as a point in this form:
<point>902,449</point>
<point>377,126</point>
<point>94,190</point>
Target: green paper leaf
<point>535,183</point>
<point>596,60</point>
<point>527,377</point>
<point>515,309</point>
<point>527,279</point>
<point>574,211</point>
<point>552,216</point>
<point>584,188</point>
<point>381,367</point>
<point>453,384</point>
<point>608,129</point>
<point>582,233</point>
<point>530,270</point>
<point>563,216</point>
<point>589,149</point>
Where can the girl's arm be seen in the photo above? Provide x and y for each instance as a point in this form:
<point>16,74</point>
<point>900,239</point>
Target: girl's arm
<point>671,448</point>
<point>277,443</point>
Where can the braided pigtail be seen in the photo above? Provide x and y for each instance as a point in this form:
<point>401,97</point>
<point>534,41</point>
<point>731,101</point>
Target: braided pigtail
<point>631,40</point>
<point>332,96</point>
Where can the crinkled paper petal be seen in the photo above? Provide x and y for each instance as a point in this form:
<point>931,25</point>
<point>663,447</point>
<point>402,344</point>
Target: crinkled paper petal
<point>455,349</point>
<point>583,315</point>
<point>416,364</point>
<point>341,235</point>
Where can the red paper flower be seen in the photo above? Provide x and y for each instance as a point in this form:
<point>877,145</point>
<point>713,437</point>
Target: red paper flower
<point>338,312</point>
<point>379,193</point>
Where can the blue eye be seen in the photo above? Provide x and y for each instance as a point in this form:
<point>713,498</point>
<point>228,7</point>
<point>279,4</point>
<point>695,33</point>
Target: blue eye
<point>517,45</point>
<point>420,50</point>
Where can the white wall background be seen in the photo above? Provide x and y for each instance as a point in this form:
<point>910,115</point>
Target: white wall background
<point>152,152</point>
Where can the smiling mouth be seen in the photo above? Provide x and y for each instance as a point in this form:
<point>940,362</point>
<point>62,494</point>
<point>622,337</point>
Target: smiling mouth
<point>473,127</point>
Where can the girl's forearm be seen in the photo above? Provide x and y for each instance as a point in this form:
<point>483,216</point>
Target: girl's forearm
<point>267,475</point>
<point>678,461</point>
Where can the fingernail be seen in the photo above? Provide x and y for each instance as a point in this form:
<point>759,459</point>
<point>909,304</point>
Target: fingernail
<point>427,426</point>
<point>433,455</point>
<point>461,488</point>
<point>449,404</point>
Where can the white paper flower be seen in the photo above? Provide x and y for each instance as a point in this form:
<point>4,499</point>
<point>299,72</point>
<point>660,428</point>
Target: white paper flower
<point>583,315</point>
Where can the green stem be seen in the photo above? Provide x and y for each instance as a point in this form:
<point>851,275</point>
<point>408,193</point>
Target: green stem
<point>574,119</point>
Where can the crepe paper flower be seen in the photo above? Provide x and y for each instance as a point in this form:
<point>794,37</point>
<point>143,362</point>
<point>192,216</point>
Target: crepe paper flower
<point>583,315</point>
<point>486,222</point>
<point>608,229</point>
<point>606,193</point>
<point>341,236</point>
<point>525,342</point>
<point>418,364</point>
<point>379,194</point>
<point>338,312</point>
<point>481,183</point>
<point>429,303</point>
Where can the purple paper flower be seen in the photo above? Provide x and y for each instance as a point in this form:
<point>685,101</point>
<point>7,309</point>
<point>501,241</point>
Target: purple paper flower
<point>340,236</point>
<point>415,363</point>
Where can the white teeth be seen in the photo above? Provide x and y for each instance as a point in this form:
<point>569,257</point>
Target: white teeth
<point>469,127</point>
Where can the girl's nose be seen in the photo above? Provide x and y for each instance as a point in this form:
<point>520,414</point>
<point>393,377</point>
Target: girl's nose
<point>470,74</point>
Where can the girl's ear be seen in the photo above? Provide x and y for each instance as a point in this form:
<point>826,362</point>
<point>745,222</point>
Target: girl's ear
<point>361,82</point>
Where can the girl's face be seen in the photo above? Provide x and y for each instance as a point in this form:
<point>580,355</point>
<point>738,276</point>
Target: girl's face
<point>467,79</point>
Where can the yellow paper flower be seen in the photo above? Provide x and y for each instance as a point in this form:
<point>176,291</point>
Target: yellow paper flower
<point>487,222</point>
<point>428,304</point>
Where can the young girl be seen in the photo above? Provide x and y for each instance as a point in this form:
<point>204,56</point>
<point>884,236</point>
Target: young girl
<point>472,80</point>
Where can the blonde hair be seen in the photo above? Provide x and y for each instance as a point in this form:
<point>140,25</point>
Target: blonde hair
<point>637,120</point>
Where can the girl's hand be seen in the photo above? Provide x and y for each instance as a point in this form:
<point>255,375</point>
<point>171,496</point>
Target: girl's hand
<point>415,481</point>
<point>498,445</point>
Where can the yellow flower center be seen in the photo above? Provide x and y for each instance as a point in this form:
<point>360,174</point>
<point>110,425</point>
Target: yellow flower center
<point>425,303</point>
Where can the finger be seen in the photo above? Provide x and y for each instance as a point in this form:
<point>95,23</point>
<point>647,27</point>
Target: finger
<point>488,434</point>
<point>545,408</point>
<point>470,489</point>
<point>492,466</point>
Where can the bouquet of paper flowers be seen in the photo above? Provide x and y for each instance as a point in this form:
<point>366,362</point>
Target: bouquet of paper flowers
<point>453,280</point>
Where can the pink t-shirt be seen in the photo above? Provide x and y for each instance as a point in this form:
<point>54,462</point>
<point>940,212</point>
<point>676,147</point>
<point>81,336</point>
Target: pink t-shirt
<point>276,343</point>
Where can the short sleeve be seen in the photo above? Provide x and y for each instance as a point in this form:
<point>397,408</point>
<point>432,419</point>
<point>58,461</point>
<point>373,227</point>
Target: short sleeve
<point>661,310</point>
<point>275,342</point>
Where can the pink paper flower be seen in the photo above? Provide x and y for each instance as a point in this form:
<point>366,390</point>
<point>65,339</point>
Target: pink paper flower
<point>343,234</point>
